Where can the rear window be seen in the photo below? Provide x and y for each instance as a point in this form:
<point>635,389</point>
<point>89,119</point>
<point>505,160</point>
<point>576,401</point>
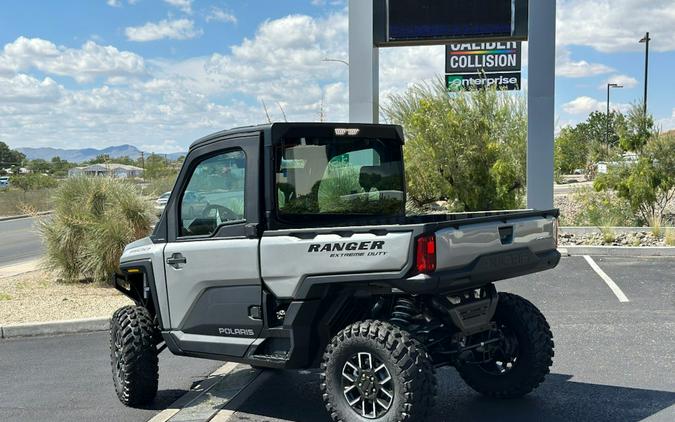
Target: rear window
<point>339,177</point>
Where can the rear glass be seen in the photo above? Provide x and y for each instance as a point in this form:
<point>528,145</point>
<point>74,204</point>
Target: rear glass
<point>339,176</point>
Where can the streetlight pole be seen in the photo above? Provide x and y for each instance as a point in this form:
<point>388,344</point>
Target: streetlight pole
<point>607,119</point>
<point>645,40</point>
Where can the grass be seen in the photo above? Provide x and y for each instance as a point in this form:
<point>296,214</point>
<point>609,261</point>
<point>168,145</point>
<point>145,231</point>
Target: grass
<point>14,202</point>
<point>5,296</point>
<point>608,234</point>
<point>670,236</point>
<point>655,222</point>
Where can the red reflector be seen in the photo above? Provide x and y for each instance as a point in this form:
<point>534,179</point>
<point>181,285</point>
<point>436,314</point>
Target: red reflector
<point>426,254</point>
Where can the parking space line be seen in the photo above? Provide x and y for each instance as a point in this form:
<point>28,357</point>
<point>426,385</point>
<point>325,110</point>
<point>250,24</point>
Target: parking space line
<point>608,281</point>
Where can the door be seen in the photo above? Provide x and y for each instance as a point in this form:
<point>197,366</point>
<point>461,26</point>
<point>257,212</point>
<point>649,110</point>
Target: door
<point>211,257</point>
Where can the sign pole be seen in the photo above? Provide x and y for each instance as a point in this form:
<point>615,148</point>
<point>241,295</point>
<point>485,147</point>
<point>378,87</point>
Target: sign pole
<point>364,67</point>
<point>540,104</point>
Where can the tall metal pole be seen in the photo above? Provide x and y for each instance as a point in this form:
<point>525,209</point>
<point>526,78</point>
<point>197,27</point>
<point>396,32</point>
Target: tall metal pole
<point>646,40</point>
<point>364,66</point>
<point>540,104</point>
<point>607,121</point>
<point>607,118</point>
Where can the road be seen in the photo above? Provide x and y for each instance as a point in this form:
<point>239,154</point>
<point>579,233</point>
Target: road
<point>19,241</point>
<point>615,361</point>
<point>69,379</point>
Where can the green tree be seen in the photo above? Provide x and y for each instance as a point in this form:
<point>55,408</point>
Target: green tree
<point>157,166</point>
<point>38,166</point>
<point>571,150</point>
<point>639,128</point>
<point>467,147</point>
<point>10,158</point>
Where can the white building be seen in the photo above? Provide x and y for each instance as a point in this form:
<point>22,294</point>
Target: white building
<point>118,171</point>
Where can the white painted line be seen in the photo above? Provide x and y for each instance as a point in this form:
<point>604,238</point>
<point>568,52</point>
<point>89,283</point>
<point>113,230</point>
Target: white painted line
<point>164,415</point>
<point>608,281</point>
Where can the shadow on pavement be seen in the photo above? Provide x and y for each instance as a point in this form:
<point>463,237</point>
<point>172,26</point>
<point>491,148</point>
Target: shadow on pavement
<point>295,396</point>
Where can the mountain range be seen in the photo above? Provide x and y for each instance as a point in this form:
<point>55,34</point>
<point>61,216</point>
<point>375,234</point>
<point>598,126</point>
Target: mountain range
<point>86,154</point>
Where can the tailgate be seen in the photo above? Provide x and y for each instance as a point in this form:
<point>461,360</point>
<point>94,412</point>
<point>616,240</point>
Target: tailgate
<point>460,246</point>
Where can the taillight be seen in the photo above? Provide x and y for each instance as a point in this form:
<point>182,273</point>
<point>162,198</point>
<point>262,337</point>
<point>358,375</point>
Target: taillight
<point>426,254</point>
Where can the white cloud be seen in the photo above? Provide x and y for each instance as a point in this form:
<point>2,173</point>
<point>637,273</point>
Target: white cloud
<point>616,25</point>
<point>183,5</point>
<point>667,123</point>
<point>84,64</point>
<point>219,15</point>
<point>586,105</point>
<point>114,3</point>
<point>567,67</point>
<point>179,29</point>
<point>623,80</point>
<point>26,89</point>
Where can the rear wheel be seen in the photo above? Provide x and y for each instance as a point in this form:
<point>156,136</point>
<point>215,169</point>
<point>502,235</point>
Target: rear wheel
<point>133,354</point>
<point>520,361</point>
<point>373,370</point>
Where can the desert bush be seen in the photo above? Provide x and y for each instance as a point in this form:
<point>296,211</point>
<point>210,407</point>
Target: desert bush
<point>94,218</point>
<point>600,209</point>
<point>467,148</point>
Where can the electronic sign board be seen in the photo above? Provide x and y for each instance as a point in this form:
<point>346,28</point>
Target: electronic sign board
<point>420,22</point>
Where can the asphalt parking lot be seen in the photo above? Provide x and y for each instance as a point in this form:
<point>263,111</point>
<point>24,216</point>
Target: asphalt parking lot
<point>615,361</point>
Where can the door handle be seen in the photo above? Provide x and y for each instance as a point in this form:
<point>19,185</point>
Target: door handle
<point>176,260</point>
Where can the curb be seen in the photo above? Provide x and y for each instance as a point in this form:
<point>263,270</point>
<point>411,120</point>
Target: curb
<point>18,217</point>
<point>55,328</point>
<point>581,230</point>
<point>627,251</point>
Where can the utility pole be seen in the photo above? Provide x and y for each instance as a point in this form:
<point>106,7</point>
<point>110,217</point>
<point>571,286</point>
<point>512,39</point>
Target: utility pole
<point>607,118</point>
<point>143,164</point>
<point>646,40</point>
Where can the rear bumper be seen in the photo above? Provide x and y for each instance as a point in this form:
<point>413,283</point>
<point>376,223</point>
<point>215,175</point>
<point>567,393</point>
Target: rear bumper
<point>483,270</point>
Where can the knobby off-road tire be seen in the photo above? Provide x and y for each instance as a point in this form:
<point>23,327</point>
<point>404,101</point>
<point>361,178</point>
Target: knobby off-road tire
<point>534,353</point>
<point>399,356</point>
<point>133,354</point>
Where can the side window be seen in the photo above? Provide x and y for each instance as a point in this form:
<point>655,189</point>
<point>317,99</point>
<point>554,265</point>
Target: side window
<point>214,195</point>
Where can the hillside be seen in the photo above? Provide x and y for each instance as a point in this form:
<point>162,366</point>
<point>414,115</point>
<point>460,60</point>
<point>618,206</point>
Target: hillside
<point>86,154</point>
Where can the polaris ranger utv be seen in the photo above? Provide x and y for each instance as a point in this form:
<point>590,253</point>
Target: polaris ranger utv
<point>302,256</point>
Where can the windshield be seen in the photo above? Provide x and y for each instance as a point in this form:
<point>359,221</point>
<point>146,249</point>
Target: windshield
<point>338,176</point>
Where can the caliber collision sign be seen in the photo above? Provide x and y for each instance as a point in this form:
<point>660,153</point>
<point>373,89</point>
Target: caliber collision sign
<point>483,64</point>
<point>486,57</point>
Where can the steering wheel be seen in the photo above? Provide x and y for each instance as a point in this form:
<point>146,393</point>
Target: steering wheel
<point>224,213</point>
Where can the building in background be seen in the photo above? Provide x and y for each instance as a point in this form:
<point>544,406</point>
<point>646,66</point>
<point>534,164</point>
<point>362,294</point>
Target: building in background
<point>118,171</point>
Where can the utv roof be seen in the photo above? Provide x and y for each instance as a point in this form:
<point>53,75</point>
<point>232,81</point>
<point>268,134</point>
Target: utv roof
<point>393,129</point>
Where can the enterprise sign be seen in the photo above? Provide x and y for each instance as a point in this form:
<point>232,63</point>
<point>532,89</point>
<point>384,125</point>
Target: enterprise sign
<point>486,57</point>
<point>483,64</point>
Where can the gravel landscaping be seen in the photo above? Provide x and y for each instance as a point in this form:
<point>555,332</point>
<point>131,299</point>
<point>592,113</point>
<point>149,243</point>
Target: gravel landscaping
<point>611,238</point>
<point>36,297</point>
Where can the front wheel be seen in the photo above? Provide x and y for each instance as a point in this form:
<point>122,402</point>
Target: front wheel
<point>373,370</point>
<point>522,358</point>
<point>133,355</point>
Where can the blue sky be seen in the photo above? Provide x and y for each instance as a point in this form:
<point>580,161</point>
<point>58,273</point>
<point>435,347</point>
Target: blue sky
<point>160,73</point>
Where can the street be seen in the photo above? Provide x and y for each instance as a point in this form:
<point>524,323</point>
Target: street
<point>19,241</point>
<point>615,361</point>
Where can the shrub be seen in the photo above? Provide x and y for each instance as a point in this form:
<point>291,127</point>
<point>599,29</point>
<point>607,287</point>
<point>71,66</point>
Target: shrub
<point>94,219</point>
<point>600,209</point>
<point>467,148</point>
<point>648,184</point>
